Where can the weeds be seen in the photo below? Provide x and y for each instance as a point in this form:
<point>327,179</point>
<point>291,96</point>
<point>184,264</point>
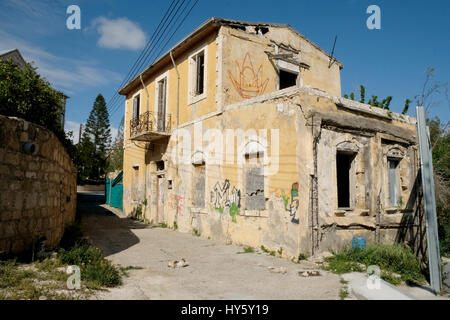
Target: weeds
<point>95,269</point>
<point>196,232</point>
<point>124,270</point>
<point>343,293</point>
<point>247,250</point>
<point>392,260</point>
<point>280,251</point>
<point>270,252</point>
<point>302,256</point>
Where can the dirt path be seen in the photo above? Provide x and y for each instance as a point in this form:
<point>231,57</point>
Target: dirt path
<point>215,270</point>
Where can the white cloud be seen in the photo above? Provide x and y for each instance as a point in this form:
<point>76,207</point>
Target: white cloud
<point>75,128</point>
<point>62,72</point>
<point>119,33</point>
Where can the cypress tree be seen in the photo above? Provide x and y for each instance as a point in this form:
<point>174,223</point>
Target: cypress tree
<point>95,141</point>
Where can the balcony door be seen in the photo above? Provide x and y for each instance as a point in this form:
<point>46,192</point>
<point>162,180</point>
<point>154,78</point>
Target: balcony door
<point>162,104</point>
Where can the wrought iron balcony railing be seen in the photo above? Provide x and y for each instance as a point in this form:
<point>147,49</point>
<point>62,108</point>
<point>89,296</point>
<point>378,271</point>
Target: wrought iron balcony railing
<point>150,125</point>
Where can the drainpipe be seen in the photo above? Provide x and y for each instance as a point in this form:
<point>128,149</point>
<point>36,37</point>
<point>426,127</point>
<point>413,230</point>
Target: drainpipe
<point>178,110</point>
<point>145,162</point>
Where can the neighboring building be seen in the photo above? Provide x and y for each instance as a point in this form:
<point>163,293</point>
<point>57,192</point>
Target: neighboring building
<point>16,56</point>
<point>295,166</point>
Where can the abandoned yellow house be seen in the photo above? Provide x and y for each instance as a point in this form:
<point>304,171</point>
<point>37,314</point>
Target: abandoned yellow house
<point>239,133</point>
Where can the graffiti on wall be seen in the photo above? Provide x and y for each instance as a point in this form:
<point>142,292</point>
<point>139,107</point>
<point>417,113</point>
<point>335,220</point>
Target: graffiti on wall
<point>247,80</point>
<point>176,201</point>
<point>291,203</point>
<point>226,200</point>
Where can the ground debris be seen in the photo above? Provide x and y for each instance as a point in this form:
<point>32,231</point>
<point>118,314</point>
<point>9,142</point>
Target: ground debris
<point>309,273</point>
<point>178,263</point>
<point>281,270</point>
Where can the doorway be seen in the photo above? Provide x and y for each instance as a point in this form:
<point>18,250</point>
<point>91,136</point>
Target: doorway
<point>160,197</point>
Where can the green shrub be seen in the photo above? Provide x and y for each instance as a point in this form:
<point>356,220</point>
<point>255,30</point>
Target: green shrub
<point>95,269</point>
<point>82,253</point>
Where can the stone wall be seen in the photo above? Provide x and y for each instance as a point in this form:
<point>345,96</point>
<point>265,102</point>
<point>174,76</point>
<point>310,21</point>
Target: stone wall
<point>37,188</point>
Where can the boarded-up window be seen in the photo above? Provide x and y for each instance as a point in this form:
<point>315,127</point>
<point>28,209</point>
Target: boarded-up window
<point>254,194</point>
<point>393,184</point>
<point>162,85</point>
<point>135,183</point>
<point>199,186</point>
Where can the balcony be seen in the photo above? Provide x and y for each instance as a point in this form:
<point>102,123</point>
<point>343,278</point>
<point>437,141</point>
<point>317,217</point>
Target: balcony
<point>150,126</point>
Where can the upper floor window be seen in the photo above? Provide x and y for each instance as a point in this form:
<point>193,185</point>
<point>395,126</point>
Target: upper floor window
<point>200,72</point>
<point>287,79</point>
<point>288,74</point>
<point>161,96</point>
<point>197,75</point>
<point>136,106</point>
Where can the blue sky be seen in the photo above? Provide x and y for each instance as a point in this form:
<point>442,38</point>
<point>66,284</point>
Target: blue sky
<point>95,59</point>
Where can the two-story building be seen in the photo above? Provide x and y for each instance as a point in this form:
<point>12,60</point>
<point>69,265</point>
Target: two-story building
<point>239,132</point>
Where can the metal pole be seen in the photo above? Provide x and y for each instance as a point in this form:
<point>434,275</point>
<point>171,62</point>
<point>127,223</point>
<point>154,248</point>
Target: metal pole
<point>426,162</point>
<point>178,108</point>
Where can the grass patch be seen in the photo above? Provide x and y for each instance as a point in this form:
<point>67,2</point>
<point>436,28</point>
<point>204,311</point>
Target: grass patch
<point>196,232</point>
<point>247,250</point>
<point>44,275</point>
<point>392,260</point>
<point>343,281</point>
<point>32,281</point>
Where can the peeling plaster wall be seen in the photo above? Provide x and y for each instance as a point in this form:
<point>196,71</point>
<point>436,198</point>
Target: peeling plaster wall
<point>301,214</point>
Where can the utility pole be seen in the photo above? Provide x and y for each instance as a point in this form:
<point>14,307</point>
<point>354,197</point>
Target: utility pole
<point>426,162</point>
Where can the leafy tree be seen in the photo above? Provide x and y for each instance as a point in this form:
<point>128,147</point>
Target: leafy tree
<point>25,94</point>
<point>95,141</point>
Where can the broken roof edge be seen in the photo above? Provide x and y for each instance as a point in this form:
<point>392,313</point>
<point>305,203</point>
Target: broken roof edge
<point>125,89</point>
<point>339,101</point>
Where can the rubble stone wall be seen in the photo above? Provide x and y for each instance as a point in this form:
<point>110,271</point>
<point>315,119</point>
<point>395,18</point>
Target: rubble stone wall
<point>37,187</point>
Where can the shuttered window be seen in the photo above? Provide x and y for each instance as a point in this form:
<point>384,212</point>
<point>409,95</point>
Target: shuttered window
<point>162,84</point>
<point>136,106</point>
